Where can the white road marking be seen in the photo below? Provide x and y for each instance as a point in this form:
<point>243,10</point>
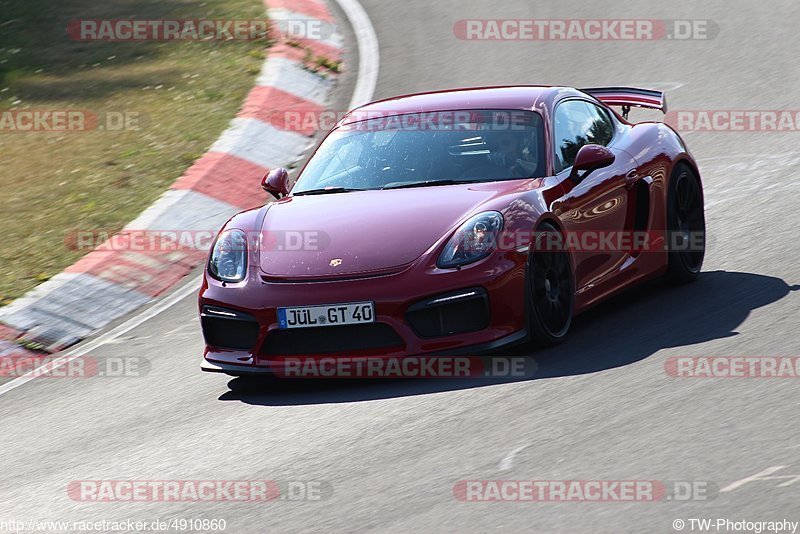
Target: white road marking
<point>660,86</point>
<point>765,170</point>
<point>763,475</point>
<point>368,52</point>
<point>508,462</point>
<point>368,65</point>
<point>191,287</point>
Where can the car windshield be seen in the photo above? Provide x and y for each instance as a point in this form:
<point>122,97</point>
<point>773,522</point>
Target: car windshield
<point>416,150</point>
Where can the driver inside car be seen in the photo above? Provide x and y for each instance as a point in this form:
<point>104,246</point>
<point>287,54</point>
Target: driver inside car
<point>517,153</point>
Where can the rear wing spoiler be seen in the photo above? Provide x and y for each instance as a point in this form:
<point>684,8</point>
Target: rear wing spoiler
<point>628,97</point>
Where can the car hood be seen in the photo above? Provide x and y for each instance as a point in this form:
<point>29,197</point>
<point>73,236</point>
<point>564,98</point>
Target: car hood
<point>363,232</point>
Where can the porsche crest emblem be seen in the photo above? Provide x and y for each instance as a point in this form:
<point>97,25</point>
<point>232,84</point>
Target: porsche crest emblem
<point>336,262</point>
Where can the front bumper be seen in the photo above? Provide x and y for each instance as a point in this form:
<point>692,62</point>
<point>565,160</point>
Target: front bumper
<point>403,326</point>
<point>248,370</point>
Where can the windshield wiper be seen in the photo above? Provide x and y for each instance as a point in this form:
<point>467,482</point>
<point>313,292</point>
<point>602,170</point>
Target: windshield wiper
<point>428,183</point>
<point>326,190</point>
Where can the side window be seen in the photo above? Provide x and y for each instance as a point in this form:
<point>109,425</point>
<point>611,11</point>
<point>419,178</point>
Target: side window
<point>602,129</point>
<point>579,123</point>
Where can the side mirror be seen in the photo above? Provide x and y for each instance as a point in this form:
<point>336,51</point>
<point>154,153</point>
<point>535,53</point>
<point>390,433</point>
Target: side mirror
<point>276,182</point>
<point>589,159</point>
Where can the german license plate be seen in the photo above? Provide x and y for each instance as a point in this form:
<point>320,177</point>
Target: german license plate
<point>326,315</point>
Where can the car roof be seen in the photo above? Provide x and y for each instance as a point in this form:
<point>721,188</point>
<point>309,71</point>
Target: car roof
<point>516,97</point>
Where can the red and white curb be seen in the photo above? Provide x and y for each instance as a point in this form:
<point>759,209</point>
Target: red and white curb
<point>107,284</point>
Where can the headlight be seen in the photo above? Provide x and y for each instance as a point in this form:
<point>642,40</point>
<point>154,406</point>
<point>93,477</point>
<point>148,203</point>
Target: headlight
<point>228,261</point>
<point>474,240</point>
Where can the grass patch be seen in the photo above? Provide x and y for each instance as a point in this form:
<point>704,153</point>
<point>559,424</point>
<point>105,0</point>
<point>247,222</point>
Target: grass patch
<point>321,65</point>
<point>52,184</point>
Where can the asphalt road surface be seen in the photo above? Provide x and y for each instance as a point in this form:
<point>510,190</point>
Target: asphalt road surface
<point>600,407</point>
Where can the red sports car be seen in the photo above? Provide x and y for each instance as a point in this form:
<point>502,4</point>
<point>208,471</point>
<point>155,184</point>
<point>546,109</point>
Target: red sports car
<point>454,222</point>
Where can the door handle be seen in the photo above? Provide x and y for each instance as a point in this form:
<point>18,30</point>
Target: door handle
<point>631,178</point>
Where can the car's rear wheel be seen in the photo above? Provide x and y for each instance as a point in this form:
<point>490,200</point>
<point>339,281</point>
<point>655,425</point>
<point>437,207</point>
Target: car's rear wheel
<point>686,226</point>
<point>551,293</point>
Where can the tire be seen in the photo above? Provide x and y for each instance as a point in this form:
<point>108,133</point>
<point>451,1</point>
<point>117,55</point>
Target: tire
<point>550,288</point>
<point>686,227</point>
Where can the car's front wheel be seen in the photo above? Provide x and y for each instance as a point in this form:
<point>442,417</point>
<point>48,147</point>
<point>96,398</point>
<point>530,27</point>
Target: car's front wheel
<point>551,293</point>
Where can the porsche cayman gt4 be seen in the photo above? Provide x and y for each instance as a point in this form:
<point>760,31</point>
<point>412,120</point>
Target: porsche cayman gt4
<point>454,222</point>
